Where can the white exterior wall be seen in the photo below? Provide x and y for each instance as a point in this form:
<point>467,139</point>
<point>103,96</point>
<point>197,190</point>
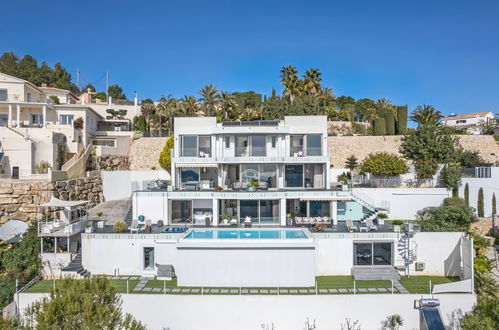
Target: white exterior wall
<point>489,185</point>
<point>187,312</point>
<point>406,202</point>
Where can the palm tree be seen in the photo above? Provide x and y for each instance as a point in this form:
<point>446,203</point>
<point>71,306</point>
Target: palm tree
<point>382,105</point>
<point>189,104</point>
<point>148,110</point>
<point>426,116</point>
<point>312,81</point>
<point>210,99</point>
<point>248,114</point>
<point>227,104</point>
<point>289,79</point>
<point>162,110</point>
<point>168,107</point>
<point>327,95</point>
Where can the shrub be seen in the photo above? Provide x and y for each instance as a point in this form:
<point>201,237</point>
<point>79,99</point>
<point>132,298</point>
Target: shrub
<point>390,122</point>
<point>382,215</point>
<point>451,174</point>
<point>471,159</point>
<point>78,123</point>
<point>164,156</point>
<point>425,168</point>
<point>494,203</point>
<point>42,167</point>
<point>139,123</point>
<point>120,227</point>
<point>452,215</point>
<point>384,164</point>
<point>401,119</point>
<point>480,206</point>
<point>485,315</point>
<point>55,99</point>
<point>379,127</point>
<point>397,222</point>
<point>467,194</point>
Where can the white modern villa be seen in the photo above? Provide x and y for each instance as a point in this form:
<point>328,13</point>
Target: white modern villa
<point>37,126</point>
<point>471,122</point>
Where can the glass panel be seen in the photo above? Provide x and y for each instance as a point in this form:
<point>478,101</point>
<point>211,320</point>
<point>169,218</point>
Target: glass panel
<point>205,146</point>
<point>66,119</point>
<point>181,211</point>
<point>268,175</point>
<point>362,254</point>
<point>4,118</point>
<point>148,257</point>
<point>188,174</point>
<point>248,209</point>
<point>296,142</point>
<point>242,146</point>
<point>382,253</point>
<point>273,140</point>
<point>258,145</point>
<point>249,173</point>
<point>227,142</point>
<point>296,207</point>
<point>269,212</point>
<point>314,145</point>
<point>294,175</point>
<point>189,146</point>
<point>319,209</point>
<point>3,95</point>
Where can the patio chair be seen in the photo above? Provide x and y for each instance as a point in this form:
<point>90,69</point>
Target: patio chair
<point>134,227</point>
<point>247,222</point>
<point>262,186</point>
<point>237,185</point>
<point>326,220</point>
<point>298,221</point>
<point>370,225</point>
<point>350,226</point>
<point>207,221</point>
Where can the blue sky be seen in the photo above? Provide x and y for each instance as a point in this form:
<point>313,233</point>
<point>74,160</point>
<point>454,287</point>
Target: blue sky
<point>444,53</point>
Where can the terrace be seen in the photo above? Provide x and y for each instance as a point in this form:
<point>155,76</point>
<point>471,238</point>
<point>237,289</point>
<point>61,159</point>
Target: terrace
<point>324,285</point>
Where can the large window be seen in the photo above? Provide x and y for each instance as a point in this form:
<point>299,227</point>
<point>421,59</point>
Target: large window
<point>4,119</point>
<point>66,119</point>
<point>372,254</point>
<point>3,95</point>
<point>242,146</point>
<point>181,211</point>
<point>205,146</point>
<point>189,146</point>
<point>253,145</point>
<point>188,174</point>
<point>258,145</point>
<point>293,176</point>
<point>263,212</point>
<point>296,143</point>
<point>265,174</point>
<point>320,209</point>
<point>314,145</point>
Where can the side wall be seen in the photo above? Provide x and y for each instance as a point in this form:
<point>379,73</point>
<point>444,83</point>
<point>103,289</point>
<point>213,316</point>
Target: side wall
<point>489,185</point>
<point>121,184</point>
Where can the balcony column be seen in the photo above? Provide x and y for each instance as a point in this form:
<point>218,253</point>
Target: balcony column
<point>215,212</point>
<point>9,123</point>
<point>334,212</point>
<point>44,115</point>
<point>18,118</point>
<point>282,211</point>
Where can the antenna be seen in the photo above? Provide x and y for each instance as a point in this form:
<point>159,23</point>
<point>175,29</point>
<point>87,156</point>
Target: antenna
<point>107,82</point>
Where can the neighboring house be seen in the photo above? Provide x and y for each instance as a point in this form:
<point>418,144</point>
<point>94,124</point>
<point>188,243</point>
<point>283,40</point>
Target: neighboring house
<point>33,129</point>
<point>471,122</point>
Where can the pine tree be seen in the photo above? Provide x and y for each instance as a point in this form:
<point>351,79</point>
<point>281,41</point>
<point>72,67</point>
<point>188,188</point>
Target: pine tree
<point>494,203</point>
<point>480,203</point>
<point>467,194</point>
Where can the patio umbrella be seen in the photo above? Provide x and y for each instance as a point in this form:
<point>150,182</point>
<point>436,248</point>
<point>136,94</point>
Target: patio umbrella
<point>13,230</point>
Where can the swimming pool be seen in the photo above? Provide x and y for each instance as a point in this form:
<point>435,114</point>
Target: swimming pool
<point>245,234</point>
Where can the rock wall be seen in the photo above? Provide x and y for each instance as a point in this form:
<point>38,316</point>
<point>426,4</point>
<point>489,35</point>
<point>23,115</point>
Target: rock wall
<point>108,163</point>
<point>342,147</point>
<point>346,128</point>
<point>19,199</point>
<point>144,153</point>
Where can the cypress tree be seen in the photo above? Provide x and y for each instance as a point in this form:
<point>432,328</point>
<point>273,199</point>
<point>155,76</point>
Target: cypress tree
<point>379,126</point>
<point>494,210</point>
<point>402,119</point>
<point>480,203</point>
<point>390,122</point>
<point>467,194</point>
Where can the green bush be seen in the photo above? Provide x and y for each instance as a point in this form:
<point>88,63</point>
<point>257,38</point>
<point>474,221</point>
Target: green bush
<point>484,316</point>
<point>120,226</point>
<point>164,156</point>
<point>494,204</point>
<point>452,215</point>
<point>467,194</point>
<point>480,206</point>
<point>379,127</point>
<point>389,122</point>
<point>425,168</point>
<point>397,222</point>
<point>384,164</point>
<point>401,119</point>
<point>382,215</point>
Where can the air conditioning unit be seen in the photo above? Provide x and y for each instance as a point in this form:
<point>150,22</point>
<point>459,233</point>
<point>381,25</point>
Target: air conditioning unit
<point>420,266</point>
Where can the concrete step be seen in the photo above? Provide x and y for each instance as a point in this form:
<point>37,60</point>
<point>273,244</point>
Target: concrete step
<point>375,273</point>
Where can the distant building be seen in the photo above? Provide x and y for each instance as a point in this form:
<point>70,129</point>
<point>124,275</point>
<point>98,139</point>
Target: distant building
<point>471,122</point>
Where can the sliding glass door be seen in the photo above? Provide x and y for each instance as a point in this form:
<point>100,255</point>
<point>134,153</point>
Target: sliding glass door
<point>373,254</point>
<point>261,212</point>
<point>293,176</point>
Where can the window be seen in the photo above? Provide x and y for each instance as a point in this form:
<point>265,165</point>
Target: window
<point>227,142</point>
<point>205,146</point>
<point>461,121</point>
<point>242,146</point>
<point>28,97</point>
<point>372,254</point>
<point>296,145</point>
<point>260,211</point>
<point>66,119</point>
<point>3,95</point>
<point>320,209</point>
<point>181,211</point>
<point>314,145</point>
<point>4,119</point>
<point>262,173</point>
<point>104,142</point>
<point>189,146</point>
<point>258,145</point>
<point>148,258</point>
<point>293,176</point>
<point>189,174</point>
<point>273,141</point>
<point>36,119</point>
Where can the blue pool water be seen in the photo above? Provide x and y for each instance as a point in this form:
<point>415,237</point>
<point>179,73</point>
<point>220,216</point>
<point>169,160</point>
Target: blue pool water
<point>245,234</point>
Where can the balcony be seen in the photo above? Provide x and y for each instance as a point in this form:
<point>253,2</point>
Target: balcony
<point>60,228</point>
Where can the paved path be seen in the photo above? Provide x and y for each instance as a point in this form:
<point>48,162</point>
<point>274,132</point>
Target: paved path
<point>112,211</point>
<point>399,287</point>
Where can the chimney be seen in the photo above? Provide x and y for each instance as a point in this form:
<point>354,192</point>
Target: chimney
<point>110,101</point>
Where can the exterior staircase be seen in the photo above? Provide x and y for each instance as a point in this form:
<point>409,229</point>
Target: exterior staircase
<point>375,274</point>
<point>129,213</point>
<point>20,134</point>
<point>369,203</point>
<point>75,268</point>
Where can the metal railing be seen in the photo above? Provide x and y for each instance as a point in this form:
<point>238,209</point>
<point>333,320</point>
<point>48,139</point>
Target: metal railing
<point>476,172</point>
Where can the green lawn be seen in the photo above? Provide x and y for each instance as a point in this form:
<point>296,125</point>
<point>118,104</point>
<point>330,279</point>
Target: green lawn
<point>44,286</point>
<point>346,282</point>
<point>421,284</point>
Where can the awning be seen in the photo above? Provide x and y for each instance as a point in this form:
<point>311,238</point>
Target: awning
<point>196,165</point>
<point>338,198</point>
<point>55,202</point>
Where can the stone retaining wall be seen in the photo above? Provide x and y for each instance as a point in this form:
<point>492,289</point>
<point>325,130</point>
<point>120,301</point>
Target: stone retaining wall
<point>108,163</point>
<point>144,153</point>
<point>19,198</point>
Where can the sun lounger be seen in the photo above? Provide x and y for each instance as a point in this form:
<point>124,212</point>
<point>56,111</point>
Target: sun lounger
<point>134,227</point>
<point>370,225</point>
<point>350,226</point>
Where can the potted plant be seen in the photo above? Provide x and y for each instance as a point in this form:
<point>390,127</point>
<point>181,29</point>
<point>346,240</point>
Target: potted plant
<point>396,225</point>
<point>120,227</point>
<point>89,228</point>
<point>218,189</point>
<point>225,218</point>
<point>253,185</point>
